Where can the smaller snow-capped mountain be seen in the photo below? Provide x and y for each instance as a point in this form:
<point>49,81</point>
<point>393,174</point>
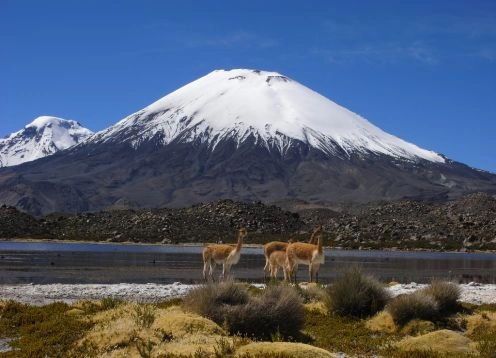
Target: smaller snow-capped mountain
<point>42,137</point>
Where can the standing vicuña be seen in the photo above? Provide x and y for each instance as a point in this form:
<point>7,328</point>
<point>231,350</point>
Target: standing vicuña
<point>277,259</point>
<point>269,248</point>
<point>275,246</point>
<point>306,254</point>
<point>224,254</point>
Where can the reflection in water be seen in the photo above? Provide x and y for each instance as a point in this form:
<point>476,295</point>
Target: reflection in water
<point>22,262</point>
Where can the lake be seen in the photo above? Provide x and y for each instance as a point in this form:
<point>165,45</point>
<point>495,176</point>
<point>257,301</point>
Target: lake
<point>56,262</point>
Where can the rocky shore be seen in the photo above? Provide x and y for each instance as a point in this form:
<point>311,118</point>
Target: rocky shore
<point>474,293</point>
<point>468,223</point>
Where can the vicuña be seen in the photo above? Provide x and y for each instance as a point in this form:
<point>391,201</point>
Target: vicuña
<point>224,254</point>
<point>306,254</point>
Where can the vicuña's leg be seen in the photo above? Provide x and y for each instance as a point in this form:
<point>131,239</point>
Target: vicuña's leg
<point>285,272</point>
<point>226,268</point>
<point>266,267</point>
<point>314,272</point>
<point>273,271</point>
<point>206,265</point>
<point>211,271</point>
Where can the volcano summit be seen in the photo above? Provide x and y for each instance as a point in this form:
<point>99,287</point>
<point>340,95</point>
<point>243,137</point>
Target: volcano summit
<point>271,109</point>
<point>239,134</point>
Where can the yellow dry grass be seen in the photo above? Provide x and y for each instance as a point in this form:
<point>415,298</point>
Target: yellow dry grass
<point>181,323</point>
<point>295,350</point>
<point>114,332</point>
<point>443,342</point>
<point>117,334</point>
<point>75,312</point>
<point>485,319</point>
<point>190,331</point>
<point>381,322</point>
<point>318,307</point>
<point>418,327</point>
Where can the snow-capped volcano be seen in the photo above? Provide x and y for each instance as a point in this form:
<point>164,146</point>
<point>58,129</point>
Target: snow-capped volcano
<point>271,108</point>
<point>240,134</point>
<point>44,136</point>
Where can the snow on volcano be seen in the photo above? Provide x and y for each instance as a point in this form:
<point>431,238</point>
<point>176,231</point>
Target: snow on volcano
<point>44,136</point>
<point>271,108</point>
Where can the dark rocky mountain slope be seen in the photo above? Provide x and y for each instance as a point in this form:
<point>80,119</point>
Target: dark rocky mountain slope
<point>468,223</point>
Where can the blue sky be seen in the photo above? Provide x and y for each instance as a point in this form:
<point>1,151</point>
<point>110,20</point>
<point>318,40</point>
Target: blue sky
<point>422,70</point>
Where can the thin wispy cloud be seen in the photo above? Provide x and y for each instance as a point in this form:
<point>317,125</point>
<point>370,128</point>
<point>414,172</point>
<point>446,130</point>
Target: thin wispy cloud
<point>431,40</point>
<point>422,53</point>
<point>241,39</point>
<point>469,27</point>
<point>488,54</point>
<point>380,54</point>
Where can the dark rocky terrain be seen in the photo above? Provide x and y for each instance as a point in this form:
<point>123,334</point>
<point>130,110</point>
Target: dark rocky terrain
<point>468,223</point>
<point>104,177</point>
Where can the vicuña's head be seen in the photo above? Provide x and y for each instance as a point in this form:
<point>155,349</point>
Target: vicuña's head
<point>243,232</point>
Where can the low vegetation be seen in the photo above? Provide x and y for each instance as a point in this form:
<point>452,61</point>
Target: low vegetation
<point>278,310</point>
<point>237,320</point>
<point>47,331</point>
<point>211,300</point>
<point>405,308</point>
<point>446,295</point>
<point>435,302</point>
<point>356,294</point>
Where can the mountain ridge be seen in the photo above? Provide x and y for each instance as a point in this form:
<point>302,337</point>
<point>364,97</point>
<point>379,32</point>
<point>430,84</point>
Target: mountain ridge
<point>184,149</point>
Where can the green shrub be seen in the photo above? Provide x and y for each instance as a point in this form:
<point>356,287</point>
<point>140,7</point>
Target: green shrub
<point>144,347</point>
<point>446,295</point>
<point>223,348</point>
<point>311,293</point>
<point>144,315</point>
<point>356,294</point>
<point>417,305</point>
<point>45,331</point>
<point>108,303</point>
<point>169,303</point>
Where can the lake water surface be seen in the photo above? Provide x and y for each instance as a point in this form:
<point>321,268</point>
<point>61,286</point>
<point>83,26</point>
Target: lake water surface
<point>55,262</point>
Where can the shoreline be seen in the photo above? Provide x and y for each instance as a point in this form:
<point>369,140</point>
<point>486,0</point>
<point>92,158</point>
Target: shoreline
<point>132,243</point>
<point>40,294</point>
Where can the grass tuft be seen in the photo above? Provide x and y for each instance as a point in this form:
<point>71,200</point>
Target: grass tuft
<point>212,299</point>
<point>278,311</point>
<point>144,315</point>
<point>446,295</point>
<point>356,294</point>
<point>109,303</point>
<point>417,305</point>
